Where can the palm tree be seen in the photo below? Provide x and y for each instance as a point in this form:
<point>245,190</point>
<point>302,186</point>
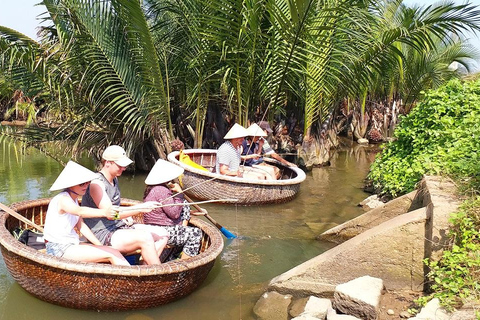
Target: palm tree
<point>103,63</point>
<point>102,56</point>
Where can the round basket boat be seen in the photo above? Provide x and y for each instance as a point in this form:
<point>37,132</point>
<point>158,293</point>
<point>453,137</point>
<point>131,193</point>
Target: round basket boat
<point>97,286</point>
<point>207,185</point>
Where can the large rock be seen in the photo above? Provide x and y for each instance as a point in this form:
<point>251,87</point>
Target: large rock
<point>370,203</point>
<point>359,297</point>
<point>441,200</point>
<point>272,306</point>
<point>370,219</point>
<point>317,307</point>
<point>467,312</point>
<point>392,250</point>
<point>432,311</point>
<point>297,307</point>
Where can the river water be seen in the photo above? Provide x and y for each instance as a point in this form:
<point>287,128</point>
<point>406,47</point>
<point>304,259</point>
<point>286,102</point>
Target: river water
<point>272,239</point>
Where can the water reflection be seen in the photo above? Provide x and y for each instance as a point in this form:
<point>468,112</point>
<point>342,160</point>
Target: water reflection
<point>272,239</point>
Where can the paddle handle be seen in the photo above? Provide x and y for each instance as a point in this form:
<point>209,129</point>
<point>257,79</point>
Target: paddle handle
<point>200,209</point>
<point>20,217</point>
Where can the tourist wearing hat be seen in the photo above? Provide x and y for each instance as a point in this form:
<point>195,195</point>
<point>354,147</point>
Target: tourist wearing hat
<point>264,147</point>
<point>174,219</point>
<point>104,193</point>
<point>228,154</point>
<point>64,214</point>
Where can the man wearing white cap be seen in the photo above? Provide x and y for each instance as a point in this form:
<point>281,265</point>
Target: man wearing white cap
<point>64,214</point>
<point>228,155</point>
<point>104,192</point>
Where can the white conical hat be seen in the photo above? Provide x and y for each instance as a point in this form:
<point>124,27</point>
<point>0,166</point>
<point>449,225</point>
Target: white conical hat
<point>255,131</point>
<point>163,171</point>
<point>73,174</point>
<point>237,131</point>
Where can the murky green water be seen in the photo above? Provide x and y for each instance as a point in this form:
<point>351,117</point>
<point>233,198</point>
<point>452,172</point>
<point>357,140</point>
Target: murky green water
<point>272,239</point>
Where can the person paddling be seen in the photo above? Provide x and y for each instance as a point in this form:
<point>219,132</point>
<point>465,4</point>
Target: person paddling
<point>64,215</point>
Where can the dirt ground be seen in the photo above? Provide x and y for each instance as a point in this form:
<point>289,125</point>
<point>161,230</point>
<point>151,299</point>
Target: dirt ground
<point>398,302</point>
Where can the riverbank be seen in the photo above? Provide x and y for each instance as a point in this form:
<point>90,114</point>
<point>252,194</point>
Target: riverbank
<point>391,249</point>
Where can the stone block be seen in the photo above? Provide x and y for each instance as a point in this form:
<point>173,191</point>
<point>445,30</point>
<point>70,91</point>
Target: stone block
<point>359,297</point>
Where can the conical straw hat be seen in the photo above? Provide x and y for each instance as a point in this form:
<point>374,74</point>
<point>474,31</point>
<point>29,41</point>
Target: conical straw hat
<point>255,131</point>
<point>73,174</point>
<point>237,131</point>
<point>163,171</point>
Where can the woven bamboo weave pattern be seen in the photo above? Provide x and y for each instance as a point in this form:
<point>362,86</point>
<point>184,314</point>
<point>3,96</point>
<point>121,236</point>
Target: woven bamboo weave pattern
<point>98,286</point>
<point>205,185</point>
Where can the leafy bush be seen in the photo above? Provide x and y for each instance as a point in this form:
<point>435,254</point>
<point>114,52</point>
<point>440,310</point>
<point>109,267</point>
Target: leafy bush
<point>440,136</point>
<point>455,277</point>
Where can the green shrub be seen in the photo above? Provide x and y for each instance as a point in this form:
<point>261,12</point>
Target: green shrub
<point>440,136</point>
<point>455,278</point>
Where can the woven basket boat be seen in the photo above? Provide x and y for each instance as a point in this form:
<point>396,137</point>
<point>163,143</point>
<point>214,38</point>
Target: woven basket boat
<point>206,185</point>
<point>98,286</point>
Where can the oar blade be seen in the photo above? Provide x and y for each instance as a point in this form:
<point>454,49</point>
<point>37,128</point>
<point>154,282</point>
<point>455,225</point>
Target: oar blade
<point>227,233</point>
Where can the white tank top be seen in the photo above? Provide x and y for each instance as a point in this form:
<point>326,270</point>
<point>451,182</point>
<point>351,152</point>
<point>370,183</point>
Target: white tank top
<point>59,227</point>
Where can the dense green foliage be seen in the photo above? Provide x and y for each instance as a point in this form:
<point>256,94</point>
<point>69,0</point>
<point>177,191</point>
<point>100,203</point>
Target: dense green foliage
<point>121,71</point>
<point>456,277</point>
<point>440,136</point>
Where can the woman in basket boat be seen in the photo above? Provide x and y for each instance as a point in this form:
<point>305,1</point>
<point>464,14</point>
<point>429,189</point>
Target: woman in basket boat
<point>64,215</point>
<point>174,218</point>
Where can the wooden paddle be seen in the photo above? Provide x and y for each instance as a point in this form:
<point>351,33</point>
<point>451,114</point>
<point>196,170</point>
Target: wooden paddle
<point>20,217</point>
<point>225,232</point>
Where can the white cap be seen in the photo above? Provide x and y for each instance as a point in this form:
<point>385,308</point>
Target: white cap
<point>163,171</point>
<point>237,131</point>
<point>255,131</point>
<point>73,174</point>
<point>116,154</point>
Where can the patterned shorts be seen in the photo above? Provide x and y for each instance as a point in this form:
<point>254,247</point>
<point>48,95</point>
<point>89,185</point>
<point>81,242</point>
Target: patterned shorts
<point>188,237</point>
<point>57,249</point>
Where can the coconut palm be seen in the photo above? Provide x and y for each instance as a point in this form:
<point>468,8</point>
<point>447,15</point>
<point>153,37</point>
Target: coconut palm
<point>116,95</point>
<point>267,55</point>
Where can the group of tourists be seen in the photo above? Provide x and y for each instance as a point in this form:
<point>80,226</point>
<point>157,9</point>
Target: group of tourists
<point>109,229</point>
<point>241,155</point>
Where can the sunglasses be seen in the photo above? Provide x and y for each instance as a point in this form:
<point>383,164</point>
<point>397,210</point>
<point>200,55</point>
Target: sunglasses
<point>84,184</point>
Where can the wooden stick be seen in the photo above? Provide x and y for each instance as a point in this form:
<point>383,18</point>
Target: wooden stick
<point>225,232</point>
<point>137,208</point>
<point>20,217</point>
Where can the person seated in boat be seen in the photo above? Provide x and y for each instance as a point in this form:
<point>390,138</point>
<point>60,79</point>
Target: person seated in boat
<point>228,161</point>
<point>174,218</point>
<point>263,145</point>
<point>64,215</point>
<point>121,234</point>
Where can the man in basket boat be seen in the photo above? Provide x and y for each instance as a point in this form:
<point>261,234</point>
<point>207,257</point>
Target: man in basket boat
<point>64,214</point>
<point>229,156</point>
<point>104,193</point>
<point>162,189</point>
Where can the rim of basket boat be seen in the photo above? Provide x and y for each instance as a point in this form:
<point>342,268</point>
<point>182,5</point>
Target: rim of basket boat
<point>298,179</point>
<point>11,244</point>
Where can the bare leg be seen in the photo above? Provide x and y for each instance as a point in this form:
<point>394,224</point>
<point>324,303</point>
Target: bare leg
<point>128,240</point>
<point>91,253</point>
<point>159,234</point>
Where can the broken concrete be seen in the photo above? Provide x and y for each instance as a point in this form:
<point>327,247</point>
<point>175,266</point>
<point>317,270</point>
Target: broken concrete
<point>359,297</point>
<point>391,249</point>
